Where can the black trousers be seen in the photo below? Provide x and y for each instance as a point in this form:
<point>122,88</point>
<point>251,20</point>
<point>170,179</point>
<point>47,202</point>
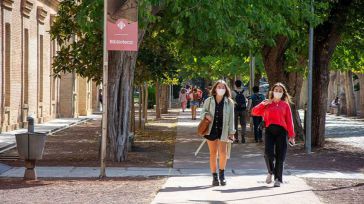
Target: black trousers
<point>240,116</point>
<point>257,132</point>
<point>275,150</point>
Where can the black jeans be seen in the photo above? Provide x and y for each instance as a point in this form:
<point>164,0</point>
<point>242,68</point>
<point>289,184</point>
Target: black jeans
<point>257,132</point>
<point>240,116</point>
<point>275,150</point>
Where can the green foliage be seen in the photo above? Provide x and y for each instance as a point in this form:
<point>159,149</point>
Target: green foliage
<point>213,38</point>
<point>78,31</point>
<point>151,96</point>
<point>199,38</point>
<point>156,58</point>
<point>349,54</point>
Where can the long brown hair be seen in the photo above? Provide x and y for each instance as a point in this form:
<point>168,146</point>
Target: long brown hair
<point>285,97</point>
<point>228,91</point>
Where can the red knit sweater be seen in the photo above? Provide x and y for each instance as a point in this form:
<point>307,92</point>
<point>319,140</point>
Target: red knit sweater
<point>278,113</point>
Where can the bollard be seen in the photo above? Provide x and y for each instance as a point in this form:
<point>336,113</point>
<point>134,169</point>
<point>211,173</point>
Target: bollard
<point>30,173</point>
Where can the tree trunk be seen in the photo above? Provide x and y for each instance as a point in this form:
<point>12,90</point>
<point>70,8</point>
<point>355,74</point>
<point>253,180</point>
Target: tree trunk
<point>163,104</point>
<point>231,83</point>
<point>164,99</point>
<point>294,85</point>
<point>132,111</point>
<point>121,74</point>
<point>273,59</point>
<point>157,101</point>
<point>327,36</point>
<point>333,89</point>
<point>342,95</point>
<point>349,93</point>
<point>257,76</point>
<point>361,93</point>
<point>145,103</point>
<point>140,101</point>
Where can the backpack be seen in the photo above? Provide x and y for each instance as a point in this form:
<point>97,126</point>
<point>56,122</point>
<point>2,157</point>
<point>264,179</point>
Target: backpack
<point>240,101</point>
<point>256,99</point>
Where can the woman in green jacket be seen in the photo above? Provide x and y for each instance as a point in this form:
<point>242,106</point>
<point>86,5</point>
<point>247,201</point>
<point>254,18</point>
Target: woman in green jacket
<point>219,109</point>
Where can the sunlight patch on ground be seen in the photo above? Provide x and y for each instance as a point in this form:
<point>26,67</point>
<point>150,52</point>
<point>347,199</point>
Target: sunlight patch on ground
<point>187,124</point>
<point>169,125</point>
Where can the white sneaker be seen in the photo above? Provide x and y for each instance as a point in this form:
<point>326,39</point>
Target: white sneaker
<point>268,180</point>
<point>277,183</point>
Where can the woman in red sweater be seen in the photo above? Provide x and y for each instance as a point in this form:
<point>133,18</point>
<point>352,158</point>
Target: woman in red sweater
<point>276,113</point>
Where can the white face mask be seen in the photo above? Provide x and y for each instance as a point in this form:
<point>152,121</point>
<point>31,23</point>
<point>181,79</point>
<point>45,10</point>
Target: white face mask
<point>277,95</point>
<point>220,92</point>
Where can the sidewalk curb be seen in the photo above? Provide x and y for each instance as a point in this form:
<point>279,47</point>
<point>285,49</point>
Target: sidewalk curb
<point>119,172</point>
<point>83,120</point>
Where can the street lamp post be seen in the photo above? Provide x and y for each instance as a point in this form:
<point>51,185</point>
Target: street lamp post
<point>309,98</point>
<point>104,100</point>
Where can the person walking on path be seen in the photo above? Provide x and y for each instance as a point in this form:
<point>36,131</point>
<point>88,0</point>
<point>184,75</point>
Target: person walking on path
<point>219,110</point>
<point>257,98</point>
<point>206,92</point>
<point>195,98</point>
<point>100,99</point>
<point>335,104</point>
<point>240,111</point>
<point>183,99</point>
<point>276,113</point>
<point>188,91</point>
<point>199,91</point>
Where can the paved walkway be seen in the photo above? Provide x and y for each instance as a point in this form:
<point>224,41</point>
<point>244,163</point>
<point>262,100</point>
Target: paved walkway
<point>347,130</point>
<point>7,139</point>
<point>190,181</point>
<point>246,174</point>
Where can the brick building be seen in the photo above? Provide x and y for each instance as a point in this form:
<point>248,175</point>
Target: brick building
<point>27,85</point>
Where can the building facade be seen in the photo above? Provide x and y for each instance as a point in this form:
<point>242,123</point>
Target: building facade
<point>27,51</point>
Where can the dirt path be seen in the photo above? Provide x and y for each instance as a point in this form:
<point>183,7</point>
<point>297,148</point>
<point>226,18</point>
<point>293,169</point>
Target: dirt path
<point>126,190</point>
<point>79,146</point>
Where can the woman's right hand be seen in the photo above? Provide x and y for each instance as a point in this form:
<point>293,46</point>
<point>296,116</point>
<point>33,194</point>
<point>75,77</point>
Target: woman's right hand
<point>208,117</point>
<point>267,101</point>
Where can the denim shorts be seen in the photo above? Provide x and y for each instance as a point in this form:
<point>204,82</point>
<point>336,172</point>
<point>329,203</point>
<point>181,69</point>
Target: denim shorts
<point>194,103</point>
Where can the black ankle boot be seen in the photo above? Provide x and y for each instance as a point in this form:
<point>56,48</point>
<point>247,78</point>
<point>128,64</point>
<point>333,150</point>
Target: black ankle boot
<point>222,177</point>
<point>215,181</point>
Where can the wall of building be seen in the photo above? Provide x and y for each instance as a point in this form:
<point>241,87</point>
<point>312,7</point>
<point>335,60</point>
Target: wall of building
<point>27,83</point>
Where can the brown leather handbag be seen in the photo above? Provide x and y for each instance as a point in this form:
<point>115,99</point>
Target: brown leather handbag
<point>203,127</point>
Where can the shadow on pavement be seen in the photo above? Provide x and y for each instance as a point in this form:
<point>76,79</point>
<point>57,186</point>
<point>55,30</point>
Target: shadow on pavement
<point>191,188</point>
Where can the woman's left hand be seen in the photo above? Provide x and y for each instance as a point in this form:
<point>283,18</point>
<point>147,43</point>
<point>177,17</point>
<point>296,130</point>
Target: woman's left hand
<point>231,137</point>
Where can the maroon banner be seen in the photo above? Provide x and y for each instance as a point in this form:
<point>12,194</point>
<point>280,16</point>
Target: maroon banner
<point>122,26</point>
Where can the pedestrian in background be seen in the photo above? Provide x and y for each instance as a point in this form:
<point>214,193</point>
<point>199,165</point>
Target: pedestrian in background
<point>206,92</point>
<point>257,98</point>
<point>335,104</point>
<point>219,109</point>
<point>188,91</point>
<point>195,100</point>
<point>240,111</point>
<point>199,91</point>
<point>183,99</point>
<point>277,115</point>
<point>100,98</point>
